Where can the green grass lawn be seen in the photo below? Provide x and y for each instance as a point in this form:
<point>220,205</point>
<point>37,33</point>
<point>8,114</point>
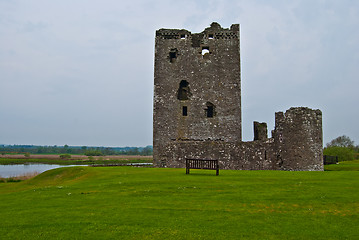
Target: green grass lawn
<point>152,203</point>
<point>343,166</point>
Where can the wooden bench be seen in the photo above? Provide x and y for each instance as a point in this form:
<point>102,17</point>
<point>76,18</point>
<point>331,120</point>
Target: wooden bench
<point>202,164</point>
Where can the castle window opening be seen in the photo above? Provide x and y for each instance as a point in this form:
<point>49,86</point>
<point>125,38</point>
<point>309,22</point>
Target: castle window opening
<point>183,91</point>
<point>210,110</point>
<point>210,36</point>
<point>184,111</point>
<point>173,54</point>
<point>205,50</point>
<point>183,36</point>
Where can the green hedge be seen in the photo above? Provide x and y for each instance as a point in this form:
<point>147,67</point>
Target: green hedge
<point>343,153</point>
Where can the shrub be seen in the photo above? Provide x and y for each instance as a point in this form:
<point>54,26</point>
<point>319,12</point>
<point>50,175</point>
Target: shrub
<point>13,180</point>
<point>343,153</point>
<point>65,156</point>
<point>27,155</point>
<point>93,153</point>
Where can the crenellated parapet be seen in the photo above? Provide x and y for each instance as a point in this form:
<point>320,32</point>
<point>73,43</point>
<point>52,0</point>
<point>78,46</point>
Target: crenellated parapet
<point>215,31</point>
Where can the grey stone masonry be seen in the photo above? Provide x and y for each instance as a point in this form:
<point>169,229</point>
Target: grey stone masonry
<point>197,108</point>
<point>299,139</point>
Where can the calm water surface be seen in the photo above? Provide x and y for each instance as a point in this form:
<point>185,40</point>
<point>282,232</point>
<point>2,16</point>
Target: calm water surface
<point>21,169</point>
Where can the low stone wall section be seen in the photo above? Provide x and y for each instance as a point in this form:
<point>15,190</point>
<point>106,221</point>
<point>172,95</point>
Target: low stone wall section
<point>255,155</point>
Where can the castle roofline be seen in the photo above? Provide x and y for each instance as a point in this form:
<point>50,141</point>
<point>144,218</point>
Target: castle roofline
<point>214,27</point>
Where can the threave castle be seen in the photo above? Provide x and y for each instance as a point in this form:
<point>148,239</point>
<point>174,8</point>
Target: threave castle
<point>197,109</point>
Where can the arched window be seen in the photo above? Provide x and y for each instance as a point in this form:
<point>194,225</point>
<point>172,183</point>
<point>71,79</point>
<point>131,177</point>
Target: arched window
<point>205,50</point>
<point>183,91</point>
<point>173,54</point>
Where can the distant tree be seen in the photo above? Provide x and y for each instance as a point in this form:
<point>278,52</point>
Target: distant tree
<point>40,149</point>
<point>65,156</point>
<point>147,151</point>
<point>93,152</point>
<point>133,151</point>
<point>342,141</point>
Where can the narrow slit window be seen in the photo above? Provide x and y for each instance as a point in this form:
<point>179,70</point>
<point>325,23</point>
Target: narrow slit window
<point>210,110</point>
<point>184,111</point>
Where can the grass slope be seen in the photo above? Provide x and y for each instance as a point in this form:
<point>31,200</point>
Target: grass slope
<point>343,166</point>
<point>150,203</point>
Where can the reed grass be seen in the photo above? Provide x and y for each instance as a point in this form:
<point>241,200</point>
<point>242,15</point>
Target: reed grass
<point>19,178</point>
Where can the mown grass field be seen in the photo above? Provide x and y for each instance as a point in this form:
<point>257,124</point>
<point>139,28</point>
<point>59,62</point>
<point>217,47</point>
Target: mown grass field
<point>343,166</point>
<point>151,203</point>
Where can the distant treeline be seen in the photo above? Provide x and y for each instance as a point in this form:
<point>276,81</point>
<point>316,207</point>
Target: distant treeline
<point>89,151</point>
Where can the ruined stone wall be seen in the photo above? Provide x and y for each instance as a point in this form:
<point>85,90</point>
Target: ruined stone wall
<point>299,139</point>
<point>197,89</point>
<point>255,155</point>
<point>197,109</point>
<point>296,145</point>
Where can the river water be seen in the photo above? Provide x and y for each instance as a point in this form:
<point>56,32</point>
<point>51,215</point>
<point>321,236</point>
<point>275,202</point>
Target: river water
<point>7,171</point>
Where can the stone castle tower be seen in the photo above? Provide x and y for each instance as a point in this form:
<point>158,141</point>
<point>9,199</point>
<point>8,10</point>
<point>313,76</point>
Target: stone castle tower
<point>197,106</point>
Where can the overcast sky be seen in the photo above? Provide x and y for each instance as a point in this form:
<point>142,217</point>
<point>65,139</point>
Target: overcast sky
<point>80,72</point>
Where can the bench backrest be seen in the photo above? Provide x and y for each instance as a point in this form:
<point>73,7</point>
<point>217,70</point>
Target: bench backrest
<point>202,163</point>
